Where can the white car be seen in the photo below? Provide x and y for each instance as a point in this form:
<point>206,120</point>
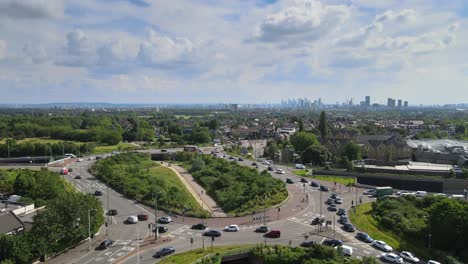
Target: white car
<point>165,220</point>
<point>433,262</point>
<point>391,257</point>
<point>421,193</point>
<point>369,192</point>
<point>266,162</point>
<point>408,256</point>
<point>300,166</point>
<point>231,228</point>
<point>379,244</point>
<point>280,171</point>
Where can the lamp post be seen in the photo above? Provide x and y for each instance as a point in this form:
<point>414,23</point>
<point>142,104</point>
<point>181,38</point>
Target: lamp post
<point>89,226</point>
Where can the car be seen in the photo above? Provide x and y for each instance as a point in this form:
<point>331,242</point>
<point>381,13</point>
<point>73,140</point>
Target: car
<point>332,242</point>
<point>212,233</point>
<point>332,208</point>
<point>289,180</point>
<point>70,169</point>
<point>161,229</point>
<point>323,188</point>
<point>266,162</point>
<point>78,177</point>
<point>307,243</point>
<point>98,157</point>
<point>163,150</point>
<point>270,168</point>
<point>344,220</point>
<point>408,256</point>
<point>240,159</point>
<point>334,196</point>
<point>142,217</point>
<point>231,228</point>
<point>369,192</point>
<point>112,212</point>
<point>300,166</point>
<point>304,180</point>
<point>105,244</point>
<point>391,257</point>
<point>421,193</point>
<point>341,212</point>
<point>98,193</point>
<point>317,221</point>
<point>329,201</point>
<point>338,201</point>
<point>199,227</point>
<point>379,244</point>
<point>433,262</point>
<point>273,234</point>
<point>349,228</point>
<point>262,229</point>
<point>164,252</point>
<point>314,184</point>
<point>364,237</point>
<point>231,157</point>
<point>165,220</point>
<point>254,164</point>
<point>133,219</point>
<point>346,251</point>
<point>280,171</point>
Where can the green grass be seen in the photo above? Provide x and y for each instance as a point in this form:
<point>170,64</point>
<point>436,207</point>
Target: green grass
<point>109,148</point>
<point>337,179</point>
<point>302,173</point>
<point>41,140</point>
<point>191,256</point>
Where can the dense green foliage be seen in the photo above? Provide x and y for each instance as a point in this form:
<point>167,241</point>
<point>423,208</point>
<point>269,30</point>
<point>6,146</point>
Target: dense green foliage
<point>352,151</point>
<point>139,178</point>
<point>323,125</point>
<point>236,189</point>
<point>413,219</point>
<point>317,254</point>
<point>61,224</point>
<point>29,148</point>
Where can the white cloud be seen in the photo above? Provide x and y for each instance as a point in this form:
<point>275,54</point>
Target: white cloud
<point>305,20</point>
<point>34,53</point>
<point>404,16</point>
<point>3,47</point>
<point>112,53</point>
<point>31,9</point>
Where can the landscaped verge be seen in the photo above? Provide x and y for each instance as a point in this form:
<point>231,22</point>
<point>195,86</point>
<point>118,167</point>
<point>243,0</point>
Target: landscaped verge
<point>338,179</point>
<point>198,254</point>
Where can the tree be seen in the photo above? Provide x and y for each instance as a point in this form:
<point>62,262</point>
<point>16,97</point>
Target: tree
<point>317,154</point>
<point>352,151</point>
<point>323,125</point>
<point>302,140</point>
<point>301,125</point>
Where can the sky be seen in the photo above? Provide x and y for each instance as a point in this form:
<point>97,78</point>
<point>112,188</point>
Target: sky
<point>233,51</point>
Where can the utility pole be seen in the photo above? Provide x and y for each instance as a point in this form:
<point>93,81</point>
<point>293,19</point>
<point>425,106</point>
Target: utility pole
<point>355,186</point>
<point>8,144</point>
<point>321,205</point>
<point>108,215</point>
<point>138,243</point>
<point>334,226</point>
<point>89,227</point>
<point>156,233</point>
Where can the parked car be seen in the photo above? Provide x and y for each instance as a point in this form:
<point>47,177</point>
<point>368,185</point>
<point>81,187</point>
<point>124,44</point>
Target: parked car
<point>212,233</point>
<point>98,193</point>
<point>161,229</point>
<point>304,180</point>
<point>408,256</point>
<point>307,243</point>
<point>314,184</point>
<point>332,242</point>
<point>329,201</point>
<point>280,171</point>
<point>231,228</point>
<point>199,227</point>
<point>344,220</point>
<point>112,212</point>
<point>323,188</point>
<point>289,180</point>
<point>379,244</point>
<point>334,196</point>
<point>133,219</point>
<point>317,221</point>
<point>341,212</point>
<point>364,237</point>
<point>105,244</point>
<point>165,220</point>
<point>391,257</point>
<point>300,166</point>
<point>78,177</point>
<point>273,234</point>
<point>332,208</point>
<point>349,228</point>
<point>142,217</point>
<point>164,252</point>
<point>346,251</point>
<point>262,229</point>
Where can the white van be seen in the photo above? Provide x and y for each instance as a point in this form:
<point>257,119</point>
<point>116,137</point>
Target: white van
<point>346,251</point>
<point>133,219</point>
<point>421,193</point>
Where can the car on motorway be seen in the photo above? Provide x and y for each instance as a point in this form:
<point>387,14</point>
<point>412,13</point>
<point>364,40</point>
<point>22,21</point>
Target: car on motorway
<point>78,177</point>
<point>273,234</point>
<point>289,180</point>
<point>332,208</point>
<point>270,168</point>
<point>408,256</point>
<point>240,159</point>
<point>98,193</point>
<point>163,150</point>
<point>349,227</point>
<point>164,252</point>
<point>300,166</point>
<point>266,162</point>
<point>323,188</point>
<point>332,242</point>
<point>280,171</point>
<point>391,257</point>
<point>338,201</point>
<point>199,227</point>
<point>231,228</point>
<point>165,220</point>
<point>317,221</point>
<point>142,217</point>
<point>433,262</point>
<point>304,180</point>
<point>341,212</point>
<point>133,219</point>
<point>105,244</point>
<point>254,164</point>
<point>364,237</point>
<point>307,243</point>
<point>369,192</point>
<point>421,193</point>
<point>112,212</point>
<point>379,244</point>
<point>161,229</point>
<point>262,229</point>
<point>314,184</point>
<point>231,157</point>
<point>212,233</point>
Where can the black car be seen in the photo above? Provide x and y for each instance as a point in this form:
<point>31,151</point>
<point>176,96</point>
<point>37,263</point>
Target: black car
<point>332,242</point>
<point>231,157</point>
<point>323,188</point>
<point>307,243</point>
<point>314,184</point>
<point>254,164</point>
<point>262,229</point>
<point>364,237</point>
<point>334,195</point>
<point>341,212</point>
<point>98,157</point>
<point>344,220</point>
<point>105,244</point>
<point>289,180</point>
<point>164,252</point>
<point>270,168</point>
<point>78,177</point>
<point>161,229</point>
<point>329,201</point>
<point>199,227</point>
<point>349,227</point>
<point>317,221</point>
<point>163,150</point>
<point>212,233</point>
<point>304,180</point>
<point>332,208</point>
<point>98,193</point>
<point>112,212</point>
<point>240,159</point>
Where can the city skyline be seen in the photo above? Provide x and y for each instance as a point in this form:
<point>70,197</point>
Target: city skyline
<point>262,51</point>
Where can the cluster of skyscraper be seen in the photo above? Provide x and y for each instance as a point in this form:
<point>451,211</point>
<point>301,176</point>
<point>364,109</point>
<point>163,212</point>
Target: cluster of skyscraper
<point>301,103</point>
<point>392,103</point>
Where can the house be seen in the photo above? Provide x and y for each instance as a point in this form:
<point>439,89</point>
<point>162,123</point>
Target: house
<point>384,147</point>
<point>10,224</point>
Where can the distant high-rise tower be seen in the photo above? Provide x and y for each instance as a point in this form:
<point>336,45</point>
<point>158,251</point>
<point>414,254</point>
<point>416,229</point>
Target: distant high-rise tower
<point>367,100</point>
<point>400,103</point>
<point>406,103</point>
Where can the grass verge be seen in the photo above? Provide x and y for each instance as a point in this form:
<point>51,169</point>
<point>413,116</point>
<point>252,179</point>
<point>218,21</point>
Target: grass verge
<point>109,148</point>
<point>191,256</point>
<point>337,179</point>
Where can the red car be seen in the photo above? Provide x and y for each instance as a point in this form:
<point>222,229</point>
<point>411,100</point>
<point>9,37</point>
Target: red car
<point>142,217</point>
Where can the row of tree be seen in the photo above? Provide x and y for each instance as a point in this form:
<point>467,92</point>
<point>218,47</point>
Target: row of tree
<point>29,149</point>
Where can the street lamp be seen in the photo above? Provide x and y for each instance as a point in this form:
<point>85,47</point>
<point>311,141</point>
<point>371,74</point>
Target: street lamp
<point>89,226</point>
